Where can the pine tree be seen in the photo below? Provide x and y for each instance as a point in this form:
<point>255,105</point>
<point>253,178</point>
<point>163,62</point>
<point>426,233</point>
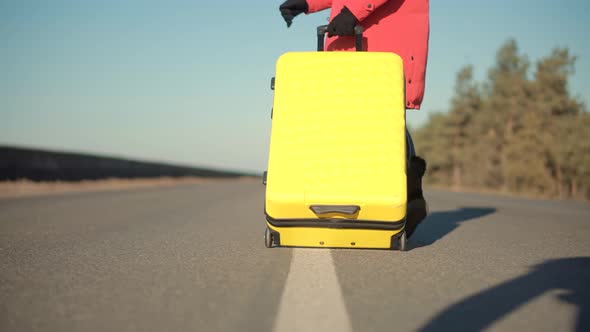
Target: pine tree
<point>465,104</point>
<point>526,170</point>
<point>560,112</point>
<point>432,144</point>
<point>575,153</point>
<point>507,99</point>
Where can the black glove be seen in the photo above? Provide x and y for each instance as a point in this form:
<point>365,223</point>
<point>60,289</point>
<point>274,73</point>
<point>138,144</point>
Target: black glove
<point>291,8</point>
<point>342,24</point>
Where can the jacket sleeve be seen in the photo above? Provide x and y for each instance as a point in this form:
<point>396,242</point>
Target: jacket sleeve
<point>362,8</point>
<point>318,5</point>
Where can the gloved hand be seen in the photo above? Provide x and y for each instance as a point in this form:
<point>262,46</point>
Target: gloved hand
<point>342,24</point>
<point>291,8</point>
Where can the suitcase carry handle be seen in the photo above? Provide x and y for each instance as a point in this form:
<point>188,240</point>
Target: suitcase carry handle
<point>358,33</point>
<point>344,209</point>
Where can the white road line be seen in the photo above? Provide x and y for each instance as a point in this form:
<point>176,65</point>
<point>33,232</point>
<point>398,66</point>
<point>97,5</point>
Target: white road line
<point>312,299</point>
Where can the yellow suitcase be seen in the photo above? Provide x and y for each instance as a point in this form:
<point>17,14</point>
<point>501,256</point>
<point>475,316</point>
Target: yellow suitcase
<point>337,163</point>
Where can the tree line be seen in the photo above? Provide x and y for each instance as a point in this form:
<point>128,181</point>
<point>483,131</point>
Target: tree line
<point>519,131</point>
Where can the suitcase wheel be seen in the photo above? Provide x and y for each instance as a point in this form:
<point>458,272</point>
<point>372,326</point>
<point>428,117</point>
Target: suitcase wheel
<point>268,238</point>
<point>398,242</point>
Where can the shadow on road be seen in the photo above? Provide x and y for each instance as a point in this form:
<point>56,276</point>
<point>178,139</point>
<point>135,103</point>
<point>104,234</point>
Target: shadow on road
<point>477,312</point>
<point>439,224</point>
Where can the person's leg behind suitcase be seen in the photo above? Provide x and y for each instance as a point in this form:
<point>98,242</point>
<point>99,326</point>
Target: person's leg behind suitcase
<point>417,207</point>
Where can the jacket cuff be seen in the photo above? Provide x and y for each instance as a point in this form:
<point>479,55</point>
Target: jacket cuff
<point>317,5</point>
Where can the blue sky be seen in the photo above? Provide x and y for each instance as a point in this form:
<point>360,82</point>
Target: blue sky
<point>188,81</point>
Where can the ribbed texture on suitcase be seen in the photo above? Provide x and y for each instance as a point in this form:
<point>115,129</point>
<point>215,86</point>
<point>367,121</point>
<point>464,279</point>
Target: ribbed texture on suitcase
<point>338,135</point>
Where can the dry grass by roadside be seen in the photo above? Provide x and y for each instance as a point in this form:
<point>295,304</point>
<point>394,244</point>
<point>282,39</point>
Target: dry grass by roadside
<point>26,188</point>
<point>501,193</point>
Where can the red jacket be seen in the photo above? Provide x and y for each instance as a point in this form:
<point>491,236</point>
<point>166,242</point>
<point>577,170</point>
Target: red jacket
<point>398,26</point>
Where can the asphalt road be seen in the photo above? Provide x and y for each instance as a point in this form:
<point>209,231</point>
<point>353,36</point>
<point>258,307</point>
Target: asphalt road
<point>192,258</point>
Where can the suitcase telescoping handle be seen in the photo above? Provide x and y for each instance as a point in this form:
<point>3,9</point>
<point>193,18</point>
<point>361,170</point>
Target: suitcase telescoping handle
<point>358,33</point>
